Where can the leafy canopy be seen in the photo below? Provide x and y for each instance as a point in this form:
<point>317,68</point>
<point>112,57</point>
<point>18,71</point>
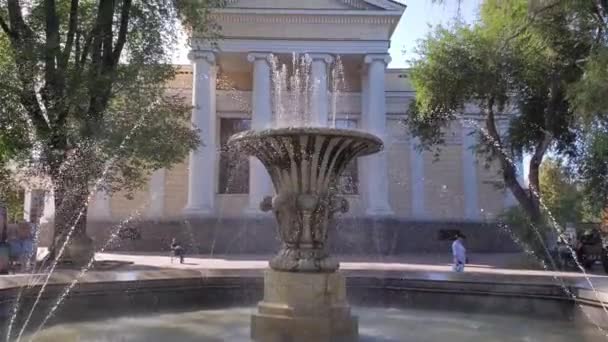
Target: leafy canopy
<point>84,87</point>
<point>520,70</point>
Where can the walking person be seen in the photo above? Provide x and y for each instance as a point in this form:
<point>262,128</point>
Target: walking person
<point>459,253</point>
<point>178,251</point>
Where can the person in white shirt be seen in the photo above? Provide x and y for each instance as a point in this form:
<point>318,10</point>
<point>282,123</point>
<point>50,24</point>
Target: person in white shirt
<point>459,253</point>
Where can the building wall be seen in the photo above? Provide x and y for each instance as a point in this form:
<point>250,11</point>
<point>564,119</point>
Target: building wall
<point>122,207</point>
<point>443,173</point>
<point>443,182</point>
<point>176,190</point>
<point>492,197</point>
<point>400,189</point>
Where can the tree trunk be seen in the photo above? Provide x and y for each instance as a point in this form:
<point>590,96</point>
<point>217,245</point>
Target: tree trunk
<point>527,201</point>
<point>70,222</point>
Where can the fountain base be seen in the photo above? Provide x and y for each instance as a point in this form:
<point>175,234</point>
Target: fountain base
<point>300,307</point>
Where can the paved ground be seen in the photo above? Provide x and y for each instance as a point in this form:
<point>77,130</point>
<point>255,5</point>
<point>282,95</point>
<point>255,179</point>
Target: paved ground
<point>413,261</point>
<point>479,263</point>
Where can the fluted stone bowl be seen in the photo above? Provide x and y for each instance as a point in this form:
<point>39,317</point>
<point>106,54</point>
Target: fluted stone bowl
<point>305,164</point>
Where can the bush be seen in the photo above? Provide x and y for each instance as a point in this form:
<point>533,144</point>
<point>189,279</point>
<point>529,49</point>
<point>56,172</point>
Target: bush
<point>536,239</point>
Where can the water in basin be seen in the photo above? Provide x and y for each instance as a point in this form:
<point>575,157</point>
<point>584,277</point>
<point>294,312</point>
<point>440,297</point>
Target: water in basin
<point>376,325</point>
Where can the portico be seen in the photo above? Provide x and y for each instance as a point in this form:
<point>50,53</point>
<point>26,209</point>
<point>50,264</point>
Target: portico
<point>356,31</point>
<point>230,85</point>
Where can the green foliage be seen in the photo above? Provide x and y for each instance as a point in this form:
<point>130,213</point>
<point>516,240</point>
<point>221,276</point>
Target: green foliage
<point>531,236</point>
<point>102,67</point>
<point>589,93</point>
<point>84,95</point>
<point>593,166</point>
<point>532,61</point>
<point>560,193</point>
<point>11,195</point>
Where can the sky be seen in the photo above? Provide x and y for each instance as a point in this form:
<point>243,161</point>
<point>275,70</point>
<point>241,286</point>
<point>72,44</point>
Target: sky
<point>419,17</point>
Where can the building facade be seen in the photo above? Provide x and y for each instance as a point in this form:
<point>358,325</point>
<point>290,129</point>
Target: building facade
<point>229,83</point>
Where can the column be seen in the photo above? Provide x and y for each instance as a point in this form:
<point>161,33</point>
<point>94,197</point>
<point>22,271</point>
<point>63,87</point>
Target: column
<point>375,176</point>
<point>261,118</point>
<point>319,105</point>
<point>469,172</point>
<point>156,190</point>
<point>34,205</point>
<point>48,212</point>
<point>99,209</point>
<point>417,179</point>
<point>202,163</point>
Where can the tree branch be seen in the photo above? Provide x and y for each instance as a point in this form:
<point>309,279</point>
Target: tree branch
<point>5,27</point>
<point>529,21</point>
<point>537,159</point>
<point>52,90</point>
<point>543,145</point>
<point>509,171</point>
<point>85,51</point>
<point>122,33</point>
<point>23,47</point>
<point>69,42</point>
<point>106,15</point>
<point>16,19</point>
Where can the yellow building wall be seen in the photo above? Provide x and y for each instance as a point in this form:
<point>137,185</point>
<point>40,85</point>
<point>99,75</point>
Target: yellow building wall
<point>176,190</point>
<point>491,197</point>
<point>122,208</point>
<point>399,171</point>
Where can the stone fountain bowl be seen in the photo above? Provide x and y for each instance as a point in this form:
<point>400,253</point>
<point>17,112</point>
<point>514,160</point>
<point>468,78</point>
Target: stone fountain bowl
<point>307,159</point>
<point>305,164</point>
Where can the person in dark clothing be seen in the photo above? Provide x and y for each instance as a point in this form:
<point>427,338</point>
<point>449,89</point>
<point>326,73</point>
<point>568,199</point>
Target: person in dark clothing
<point>4,246</point>
<point>178,251</point>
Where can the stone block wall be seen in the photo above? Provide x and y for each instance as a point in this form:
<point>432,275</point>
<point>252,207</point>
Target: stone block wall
<point>364,237</point>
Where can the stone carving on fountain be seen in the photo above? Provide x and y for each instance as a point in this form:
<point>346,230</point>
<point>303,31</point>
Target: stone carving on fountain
<point>305,164</point>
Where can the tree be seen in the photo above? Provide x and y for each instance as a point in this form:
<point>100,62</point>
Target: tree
<point>83,98</point>
<point>592,166</point>
<point>561,193</point>
<point>515,59</point>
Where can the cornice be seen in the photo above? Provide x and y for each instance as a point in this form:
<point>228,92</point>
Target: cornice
<point>340,47</point>
<point>376,18</point>
<point>386,5</point>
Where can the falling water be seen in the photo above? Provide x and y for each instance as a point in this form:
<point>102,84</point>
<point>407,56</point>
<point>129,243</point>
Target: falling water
<point>338,82</point>
<point>114,234</point>
<point>97,186</point>
<point>293,91</point>
<point>30,281</point>
<point>554,224</point>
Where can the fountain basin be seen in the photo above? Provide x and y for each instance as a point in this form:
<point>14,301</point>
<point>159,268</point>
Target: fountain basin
<point>378,325</point>
<point>391,305</point>
<point>305,164</point>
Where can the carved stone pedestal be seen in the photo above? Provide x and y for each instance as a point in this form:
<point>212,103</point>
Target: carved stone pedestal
<point>304,307</point>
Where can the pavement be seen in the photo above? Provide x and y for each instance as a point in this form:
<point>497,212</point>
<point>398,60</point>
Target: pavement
<point>487,263</point>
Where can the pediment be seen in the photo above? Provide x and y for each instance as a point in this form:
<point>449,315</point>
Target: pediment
<point>363,5</point>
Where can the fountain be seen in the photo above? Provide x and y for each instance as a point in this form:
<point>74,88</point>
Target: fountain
<point>304,294</point>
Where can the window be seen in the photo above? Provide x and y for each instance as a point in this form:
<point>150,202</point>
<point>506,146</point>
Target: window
<point>234,167</point>
<point>348,183</point>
